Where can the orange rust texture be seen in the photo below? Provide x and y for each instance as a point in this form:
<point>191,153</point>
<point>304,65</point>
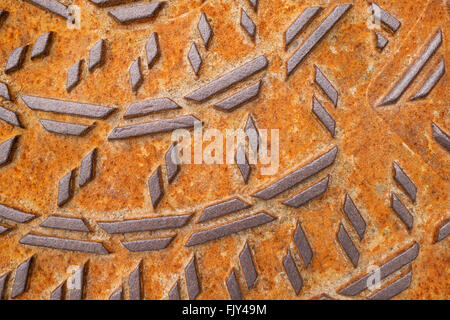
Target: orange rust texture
<point>369,138</point>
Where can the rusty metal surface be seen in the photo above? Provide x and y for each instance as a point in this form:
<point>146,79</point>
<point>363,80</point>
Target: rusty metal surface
<point>370,138</point>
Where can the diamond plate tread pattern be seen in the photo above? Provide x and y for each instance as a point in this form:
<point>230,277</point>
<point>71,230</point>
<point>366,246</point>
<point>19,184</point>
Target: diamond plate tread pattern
<point>89,182</point>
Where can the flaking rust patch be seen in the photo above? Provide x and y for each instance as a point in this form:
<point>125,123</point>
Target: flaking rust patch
<point>90,184</point>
